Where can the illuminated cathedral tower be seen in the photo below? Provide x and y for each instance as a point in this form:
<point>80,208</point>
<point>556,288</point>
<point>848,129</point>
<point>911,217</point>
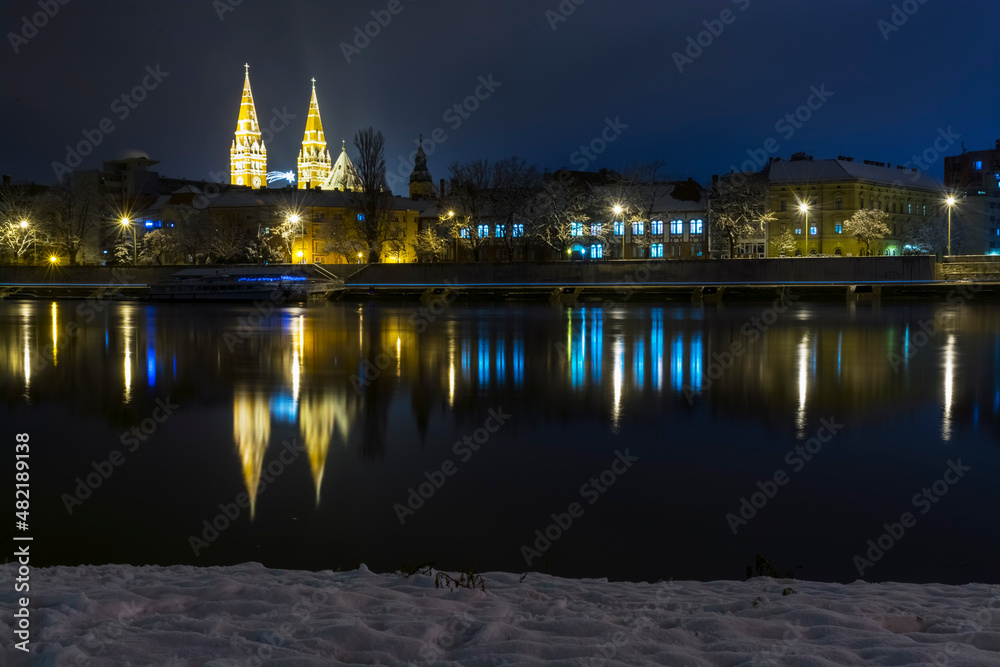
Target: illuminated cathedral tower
<point>314,158</point>
<point>248,157</point>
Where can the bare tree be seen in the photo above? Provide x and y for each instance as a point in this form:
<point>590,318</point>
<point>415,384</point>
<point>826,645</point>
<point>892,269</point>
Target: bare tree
<point>921,237</point>
<point>738,209</point>
<point>867,225</point>
<point>469,201</point>
<point>429,245</point>
<point>375,200</point>
<point>563,210</point>
<point>784,243</point>
<point>73,214</point>
<point>16,213</point>
<point>513,185</point>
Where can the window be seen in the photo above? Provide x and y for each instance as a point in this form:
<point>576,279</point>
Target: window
<point>656,250</point>
<point>596,230</point>
<point>676,227</point>
<point>638,228</point>
<point>619,228</point>
<point>656,227</point>
<point>361,217</point>
<point>675,249</point>
<point>596,251</point>
<point>862,203</point>
<point>812,230</point>
<point>798,231</point>
<point>518,230</point>
<point>838,229</point>
<point>483,231</point>
<point>839,204</point>
<point>501,231</point>
<point>978,165</point>
<point>696,249</point>
<point>320,217</point>
<point>784,205</point>
<point>464,233</point>
<point>696,227</point>
<point>576,229</point>
<point>909,208</point>
<point>925,209</point>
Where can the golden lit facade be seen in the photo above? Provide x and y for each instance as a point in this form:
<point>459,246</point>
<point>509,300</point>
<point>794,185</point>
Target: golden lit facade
<point>314,158</point>
<point>814,199</point>
<point>248,156</point>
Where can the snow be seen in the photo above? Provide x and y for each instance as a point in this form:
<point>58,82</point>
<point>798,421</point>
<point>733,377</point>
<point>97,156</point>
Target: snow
<point>250,615</point>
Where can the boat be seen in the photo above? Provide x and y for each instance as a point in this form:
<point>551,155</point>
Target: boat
<point>278,284</point>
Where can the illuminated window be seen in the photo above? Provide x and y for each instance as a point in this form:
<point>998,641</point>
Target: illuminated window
<point>576,229</point>
<point>676,227</point>
<point>978,165</point>
<point>464,233</point>
<point>812,230</point>
<point>518,231</point>
<point>361,217</point>
<point>596,251</point>
<point>696,227</point>
<point>798,230</point>
<point>656,227</point>
<point>838,229</point>
<point>656,250</point>
<point>596,230</point>
<point>638,228</point>
<point>483,231</point>
<point>501,231</point>
<point>619,228</point>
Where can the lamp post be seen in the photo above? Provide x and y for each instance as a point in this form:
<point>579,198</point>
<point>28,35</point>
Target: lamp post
<point>804,209</point>
<point>618,211</point>
<point>950,201</point>
<point>34,246</point>
<point>127,224</point>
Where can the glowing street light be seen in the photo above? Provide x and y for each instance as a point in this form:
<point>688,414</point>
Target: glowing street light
<point>296,220</point>
<point>126,223</point>
<point>804,209</point>
<point>359,257</point>
<point>54,260</point>
<point>950,201</point>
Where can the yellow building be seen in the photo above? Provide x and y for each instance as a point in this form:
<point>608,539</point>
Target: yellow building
<point>314,158</point>
<point>248,156</point>
<point>324,223</point>
<point>814,198</point>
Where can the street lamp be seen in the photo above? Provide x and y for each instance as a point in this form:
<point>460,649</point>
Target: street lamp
<point>126,223</point>
<point>804,209</point>
<point>618,211</point>
<point>950,201</point>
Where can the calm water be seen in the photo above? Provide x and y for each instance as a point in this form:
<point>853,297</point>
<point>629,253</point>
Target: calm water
<point>578,385</point>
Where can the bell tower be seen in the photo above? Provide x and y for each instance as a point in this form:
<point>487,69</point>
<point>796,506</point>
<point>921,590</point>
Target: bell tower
<point>248,156</point>
<point>314,158</point>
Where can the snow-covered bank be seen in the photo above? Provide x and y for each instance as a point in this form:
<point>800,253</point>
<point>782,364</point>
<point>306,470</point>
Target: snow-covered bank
<point>247,614</point>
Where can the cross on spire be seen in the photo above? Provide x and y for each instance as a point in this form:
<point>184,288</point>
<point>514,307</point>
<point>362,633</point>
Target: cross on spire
<point>247,66</point>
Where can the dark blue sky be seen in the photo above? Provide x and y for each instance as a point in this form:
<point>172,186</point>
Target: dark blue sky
<point>557,88</point>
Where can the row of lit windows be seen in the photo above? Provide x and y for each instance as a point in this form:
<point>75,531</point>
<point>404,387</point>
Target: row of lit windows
<point>839,205</point>
<point>696,227</point>
<point>499,231</point>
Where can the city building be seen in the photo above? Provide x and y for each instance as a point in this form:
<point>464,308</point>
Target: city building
<point>314,158</point>
<point>814,198</point>
<point>973,179</point>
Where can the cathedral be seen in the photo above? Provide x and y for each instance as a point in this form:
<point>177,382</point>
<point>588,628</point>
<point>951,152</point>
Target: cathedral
<point>248,155</point>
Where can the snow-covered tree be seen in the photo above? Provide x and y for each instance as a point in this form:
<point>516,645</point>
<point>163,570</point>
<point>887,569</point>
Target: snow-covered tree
<point>430,246</point>
<point>784,244</point>
<point>921,237</point>
<point>867,225</point>
<point>738,209</point>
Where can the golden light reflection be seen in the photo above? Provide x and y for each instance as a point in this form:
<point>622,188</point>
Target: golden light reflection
<point>26,335</point>
<point>251,432</point>
<point>949,386</point>
<point>803,362</point>
<point>55,335</point>
<point>298,342</point>
<point>316,422</point>
<point>452,350</point>
<point>617,379</point>
<point>127,337</point>
<point>399,357</point>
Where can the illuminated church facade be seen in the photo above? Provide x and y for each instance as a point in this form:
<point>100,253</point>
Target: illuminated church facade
<point>248,155</point>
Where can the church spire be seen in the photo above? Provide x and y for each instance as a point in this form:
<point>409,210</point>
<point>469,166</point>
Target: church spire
<point>314,158</point>
<point>421,183</point>
<point>247,156</point>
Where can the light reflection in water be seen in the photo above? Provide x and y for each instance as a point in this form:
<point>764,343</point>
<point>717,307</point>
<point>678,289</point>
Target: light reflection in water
<point>128,336</point>
<point>656,348</point>
<point>26,338</point>
<point>251,432</point>
<point>677,362</point>
<point>617,379</point>
<point>55,334</point>
<point>803,364</point>
<point>696,361</point>
<point>949,384</point>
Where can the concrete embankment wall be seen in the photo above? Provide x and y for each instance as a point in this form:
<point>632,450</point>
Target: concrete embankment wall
<point>120,275</point>
<point>843,270</point>
<point>970,267</point>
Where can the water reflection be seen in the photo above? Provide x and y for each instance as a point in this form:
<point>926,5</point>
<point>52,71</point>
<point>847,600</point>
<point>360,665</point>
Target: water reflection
<point>252,433</point>
<point>949,380</point>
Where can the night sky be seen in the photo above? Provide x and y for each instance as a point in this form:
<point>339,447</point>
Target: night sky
<point>892,89</point>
